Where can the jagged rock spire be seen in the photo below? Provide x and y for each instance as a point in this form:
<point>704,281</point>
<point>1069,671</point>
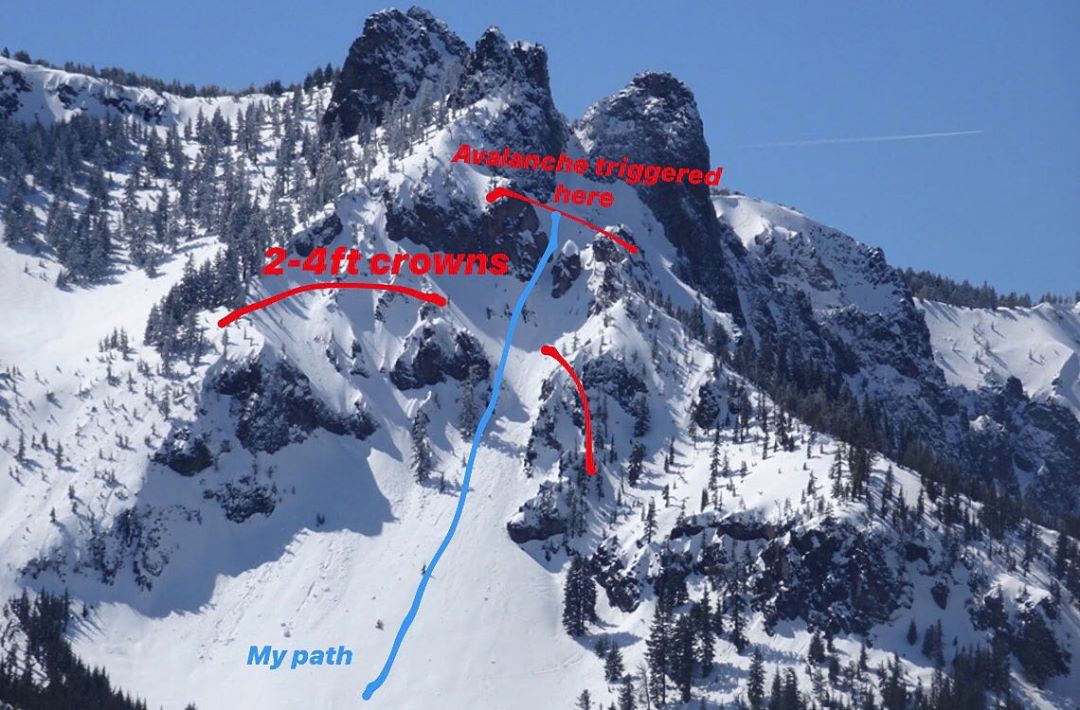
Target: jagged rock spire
<point>396,52</point>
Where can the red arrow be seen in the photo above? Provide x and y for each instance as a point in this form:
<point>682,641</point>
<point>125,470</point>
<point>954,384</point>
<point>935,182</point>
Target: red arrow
<point>500,192</point>
<point>435,298</point>
<point>590,463</point>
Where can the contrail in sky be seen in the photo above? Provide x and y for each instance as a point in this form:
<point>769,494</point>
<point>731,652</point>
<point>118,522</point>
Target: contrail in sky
<point>864,139</point>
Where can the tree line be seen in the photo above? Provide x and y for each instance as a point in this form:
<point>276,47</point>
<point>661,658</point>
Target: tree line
<point>933,287</point>
<point>317,77</point>
<point>45,674</point>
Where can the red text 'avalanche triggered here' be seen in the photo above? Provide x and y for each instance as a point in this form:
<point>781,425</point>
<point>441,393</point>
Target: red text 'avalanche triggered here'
<point>631,173</point>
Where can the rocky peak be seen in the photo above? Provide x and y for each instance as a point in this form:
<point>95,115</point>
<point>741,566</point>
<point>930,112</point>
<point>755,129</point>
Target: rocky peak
<point>504,87</point>
<point>496,62</point>
<point>655,120</point>
<point>533,59</point>
<point>527,119</point>
<point>524,116</point>
<point>393,56</point>
<point>437,27</point>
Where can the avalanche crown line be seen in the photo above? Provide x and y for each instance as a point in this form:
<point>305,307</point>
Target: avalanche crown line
<point>500,192</point>
<point>426,296</point>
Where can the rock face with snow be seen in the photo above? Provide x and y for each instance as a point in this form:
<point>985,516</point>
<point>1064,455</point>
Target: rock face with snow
<point>39,94</point>
<point>23,94</point>
<point>274,407</point>
<point>434,353</point>
<point>184,453</point>
<point>504,87</point>
<point>397,55</point>
<point>765,396</point>
<point>441,217</point>
<point>655,120</point>
<point>838,302</point>
<point>834,577</point>
<point>511,80</point>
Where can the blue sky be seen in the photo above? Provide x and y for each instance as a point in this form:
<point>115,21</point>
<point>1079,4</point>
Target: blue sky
<point>1000,204</point>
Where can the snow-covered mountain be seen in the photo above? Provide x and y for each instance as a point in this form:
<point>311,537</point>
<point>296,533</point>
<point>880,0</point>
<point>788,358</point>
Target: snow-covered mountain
<point>37,94</point>
<point>802,470</point>
<point>1040,346</point>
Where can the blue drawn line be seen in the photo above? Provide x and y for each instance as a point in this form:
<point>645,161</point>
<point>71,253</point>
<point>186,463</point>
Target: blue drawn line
<point>496,387</point>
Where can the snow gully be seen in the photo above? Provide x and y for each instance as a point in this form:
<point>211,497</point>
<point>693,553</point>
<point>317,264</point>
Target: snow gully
<point>489,412</point>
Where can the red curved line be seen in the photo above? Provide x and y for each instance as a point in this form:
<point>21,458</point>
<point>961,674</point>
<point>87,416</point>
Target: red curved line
<point>500,192</point>
<point>590,462</point>
<point>435,298</point>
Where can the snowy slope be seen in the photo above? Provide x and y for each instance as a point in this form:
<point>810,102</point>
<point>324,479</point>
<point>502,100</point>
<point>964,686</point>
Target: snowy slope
<point>181,584</point>
<point>1040,346</point>
<point>227,586</point>
<point>33,93</point>
<point>838,270</point>
<point>974,347</point>
<point>282,582</point>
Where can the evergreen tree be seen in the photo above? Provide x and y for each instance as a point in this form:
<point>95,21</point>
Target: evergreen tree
<point>682,656</point>
<point>579,598</point>
<point>650,522</point>
<point>714,460</point>
<point>59,225</point>
<point>423,460</point>
<point>136,229</point>
<point>790,698</point>
<point>894,690</point>
<point>154,156</point>
<point>18,218</point>
<point>776,691</point>
<point>1037,649</point>
<point>658,653</point>
<point>784,439</point>
<point>836,473</point>
<point>737,635</point>
<point>701,614</point>
<point>613,665</point>
<point>834,668</point>
<point>626,695</point>
<point>932,644</point>
<point>1030,539</point>
<point>860,462</point>
<point>816,653</point>
<point>1061,556</point>
<point>635,465</point>
<point>755,684</point>
<point>163,224</point>
<point>61,679</point>
<point>912,633</point>
<point>468,417</point>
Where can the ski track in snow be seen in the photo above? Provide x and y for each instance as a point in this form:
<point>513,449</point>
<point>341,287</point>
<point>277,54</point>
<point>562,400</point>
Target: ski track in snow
<point>496,388</point>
